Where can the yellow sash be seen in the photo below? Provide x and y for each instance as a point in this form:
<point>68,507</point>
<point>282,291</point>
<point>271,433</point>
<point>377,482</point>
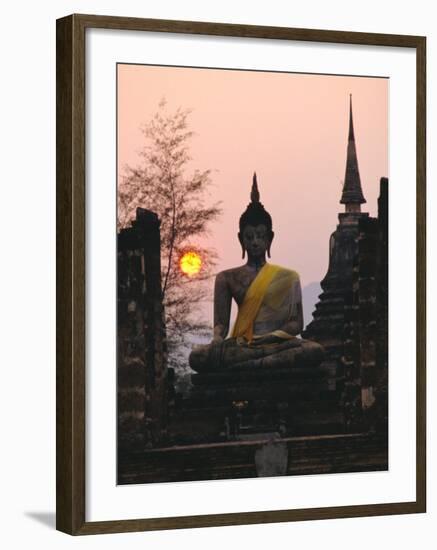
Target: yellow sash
<point>248,310</point>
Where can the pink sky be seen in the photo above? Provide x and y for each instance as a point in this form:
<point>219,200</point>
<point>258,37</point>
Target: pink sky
<point>290,128</point>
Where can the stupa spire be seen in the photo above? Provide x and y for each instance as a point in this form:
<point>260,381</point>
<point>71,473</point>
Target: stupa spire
<point>352,196</point>
<point>254,194</point>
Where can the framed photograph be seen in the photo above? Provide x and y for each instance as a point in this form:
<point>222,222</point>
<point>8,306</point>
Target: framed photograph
<point>240,274</point>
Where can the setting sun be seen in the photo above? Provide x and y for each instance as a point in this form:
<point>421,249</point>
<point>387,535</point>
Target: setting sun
<point>190,263</point>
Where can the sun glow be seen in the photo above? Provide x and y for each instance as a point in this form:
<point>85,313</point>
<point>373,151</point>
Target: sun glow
<point>190,263</point>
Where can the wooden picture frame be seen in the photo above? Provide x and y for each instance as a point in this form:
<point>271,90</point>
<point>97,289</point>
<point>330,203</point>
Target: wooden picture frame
<point>71,253</point>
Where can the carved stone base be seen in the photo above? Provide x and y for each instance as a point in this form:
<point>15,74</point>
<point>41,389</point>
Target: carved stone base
<point>230,405</point>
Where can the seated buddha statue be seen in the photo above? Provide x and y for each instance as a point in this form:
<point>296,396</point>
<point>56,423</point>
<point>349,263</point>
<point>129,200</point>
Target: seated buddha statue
<point>270,318</point>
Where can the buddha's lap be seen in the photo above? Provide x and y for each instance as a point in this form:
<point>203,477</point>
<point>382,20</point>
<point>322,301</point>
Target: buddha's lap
<point>230,352</point>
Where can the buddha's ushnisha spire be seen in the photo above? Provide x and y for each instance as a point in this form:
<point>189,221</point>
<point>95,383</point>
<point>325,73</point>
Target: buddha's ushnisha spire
<point>352,195</point>
<point>254,194</point>
<point>255,213</point>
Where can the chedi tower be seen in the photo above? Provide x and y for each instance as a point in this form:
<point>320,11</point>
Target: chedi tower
<point>328,321</point>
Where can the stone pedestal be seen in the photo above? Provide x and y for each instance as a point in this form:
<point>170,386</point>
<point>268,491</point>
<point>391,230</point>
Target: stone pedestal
<point>236,404</point>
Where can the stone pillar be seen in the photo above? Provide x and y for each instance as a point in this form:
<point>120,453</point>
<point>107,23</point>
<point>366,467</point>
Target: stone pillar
<point>142,391</point>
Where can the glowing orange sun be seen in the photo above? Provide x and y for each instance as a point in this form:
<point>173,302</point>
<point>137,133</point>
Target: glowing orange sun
<point>190,263</point>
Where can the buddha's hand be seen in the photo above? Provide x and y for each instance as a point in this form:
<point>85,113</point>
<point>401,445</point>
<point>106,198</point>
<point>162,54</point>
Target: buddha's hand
<point>264,340</point>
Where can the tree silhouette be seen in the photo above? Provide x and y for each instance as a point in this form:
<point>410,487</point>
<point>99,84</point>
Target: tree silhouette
<point>162,183</point>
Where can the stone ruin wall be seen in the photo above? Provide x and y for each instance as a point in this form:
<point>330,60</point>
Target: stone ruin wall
<point>142,376</point>
<point>366,325</point>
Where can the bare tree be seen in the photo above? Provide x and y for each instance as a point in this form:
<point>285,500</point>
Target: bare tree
<point>162,183</point>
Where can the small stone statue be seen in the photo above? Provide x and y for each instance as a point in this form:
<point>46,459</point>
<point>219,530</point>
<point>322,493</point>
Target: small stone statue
<point>269,307</point>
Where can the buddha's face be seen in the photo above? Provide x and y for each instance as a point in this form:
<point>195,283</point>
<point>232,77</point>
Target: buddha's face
<point>256,240</point>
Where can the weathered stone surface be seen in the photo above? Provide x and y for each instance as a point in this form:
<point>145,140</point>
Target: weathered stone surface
<point>230,460</point>
<point>327,325</point>
<point>353,327</point>
<point>142,377</point>
<point>271,459</point>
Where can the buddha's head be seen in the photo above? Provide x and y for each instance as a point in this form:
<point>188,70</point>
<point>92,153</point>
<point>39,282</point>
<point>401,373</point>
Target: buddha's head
<point>256,233</point>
